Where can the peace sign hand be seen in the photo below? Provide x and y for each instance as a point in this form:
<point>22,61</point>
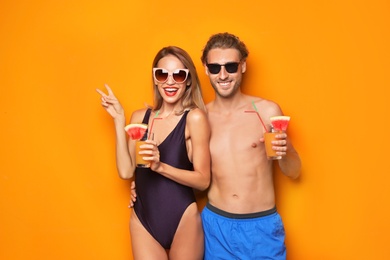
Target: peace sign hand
<point>110,103</point>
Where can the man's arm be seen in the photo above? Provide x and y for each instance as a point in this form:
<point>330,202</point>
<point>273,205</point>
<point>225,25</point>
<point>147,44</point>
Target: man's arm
<point>290,164</point>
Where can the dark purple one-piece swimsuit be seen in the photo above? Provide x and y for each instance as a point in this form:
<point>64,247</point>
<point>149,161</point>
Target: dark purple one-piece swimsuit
<point>161,202</point>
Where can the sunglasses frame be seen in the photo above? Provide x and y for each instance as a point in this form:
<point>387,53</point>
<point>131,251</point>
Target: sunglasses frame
<point>170,73</point>
<point>223,65</point>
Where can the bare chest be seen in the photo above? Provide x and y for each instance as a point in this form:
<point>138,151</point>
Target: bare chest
<point>234,133</point>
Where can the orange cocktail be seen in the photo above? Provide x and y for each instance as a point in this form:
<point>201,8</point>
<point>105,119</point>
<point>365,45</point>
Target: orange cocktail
<point>279,125</point>
<point>268,138</point>
<point>139,157</point>
<point>137,132</point>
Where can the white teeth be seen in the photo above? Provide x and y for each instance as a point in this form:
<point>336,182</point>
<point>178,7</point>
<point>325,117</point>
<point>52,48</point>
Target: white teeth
<point>170,89</point>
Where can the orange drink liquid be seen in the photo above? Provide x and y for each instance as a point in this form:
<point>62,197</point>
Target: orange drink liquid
<point>138,157</point>
<point>268,138</point>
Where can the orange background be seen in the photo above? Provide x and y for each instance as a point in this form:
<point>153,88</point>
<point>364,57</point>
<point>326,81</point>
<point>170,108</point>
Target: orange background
<point>325,62</point>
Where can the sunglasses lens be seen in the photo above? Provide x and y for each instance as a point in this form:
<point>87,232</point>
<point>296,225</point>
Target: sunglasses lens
<point>231,67</point>
<point>161,75</point>
<point>214,68</point>
<point>180,76</point>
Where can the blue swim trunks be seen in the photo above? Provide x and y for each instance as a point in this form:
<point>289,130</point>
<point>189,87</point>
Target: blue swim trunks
<point>243,236</point>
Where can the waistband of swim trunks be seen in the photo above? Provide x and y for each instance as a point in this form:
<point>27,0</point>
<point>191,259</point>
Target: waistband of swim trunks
<point>241,216</point>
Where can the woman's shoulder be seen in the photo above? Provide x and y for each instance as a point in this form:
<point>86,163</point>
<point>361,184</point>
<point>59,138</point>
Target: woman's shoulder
<point>197,122</point>
<point>196,114</point>
<point>138,115</point>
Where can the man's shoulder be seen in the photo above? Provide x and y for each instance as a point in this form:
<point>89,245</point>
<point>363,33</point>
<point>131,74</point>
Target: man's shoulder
<point>264,102</point>
<point>265,106</point>
<point>256,102</point>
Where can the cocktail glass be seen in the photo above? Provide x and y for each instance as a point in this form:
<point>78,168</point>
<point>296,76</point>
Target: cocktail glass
<point>279,125</point>
<point>139,160</point>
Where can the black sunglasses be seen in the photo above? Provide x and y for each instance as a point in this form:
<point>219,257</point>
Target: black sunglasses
<point>215,68</point>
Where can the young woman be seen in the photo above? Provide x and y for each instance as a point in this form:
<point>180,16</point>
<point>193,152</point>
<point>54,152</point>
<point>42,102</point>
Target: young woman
<point>165,223</point>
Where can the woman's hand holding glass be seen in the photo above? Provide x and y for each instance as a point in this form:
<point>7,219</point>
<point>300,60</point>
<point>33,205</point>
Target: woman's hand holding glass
<point>149,151</point>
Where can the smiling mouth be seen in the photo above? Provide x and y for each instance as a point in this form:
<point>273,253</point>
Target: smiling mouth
<point>170,91</point>
<point>224,84</point>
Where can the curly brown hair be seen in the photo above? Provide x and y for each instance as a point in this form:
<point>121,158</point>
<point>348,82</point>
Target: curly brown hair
<point>224,41</point>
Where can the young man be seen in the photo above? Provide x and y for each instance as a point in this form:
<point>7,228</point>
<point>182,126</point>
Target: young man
<point>240,219</point>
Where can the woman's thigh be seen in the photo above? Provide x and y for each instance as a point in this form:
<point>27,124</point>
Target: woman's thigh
<point>144,246</point>
<point>188,242</point>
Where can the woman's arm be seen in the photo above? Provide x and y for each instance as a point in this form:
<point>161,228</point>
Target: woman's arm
<point>124,159</point>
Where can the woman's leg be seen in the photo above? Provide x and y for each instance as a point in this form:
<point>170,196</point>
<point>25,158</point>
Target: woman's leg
<point>145,247</point>
<point>188,242</point>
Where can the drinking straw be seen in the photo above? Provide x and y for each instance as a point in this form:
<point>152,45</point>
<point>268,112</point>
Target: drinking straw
<point>154,118</point>
<point>258,115</point>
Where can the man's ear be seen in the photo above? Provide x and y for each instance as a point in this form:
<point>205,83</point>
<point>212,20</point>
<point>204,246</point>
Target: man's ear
<point>243,67</point>
<point>206,70</point>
